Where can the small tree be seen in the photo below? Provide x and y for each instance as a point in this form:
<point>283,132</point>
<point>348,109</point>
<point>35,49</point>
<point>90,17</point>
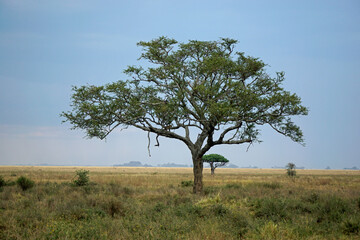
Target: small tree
<point>215,160</point>
<point>82,177</point>
<point>290,168</point>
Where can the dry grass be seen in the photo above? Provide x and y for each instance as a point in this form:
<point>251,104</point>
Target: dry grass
<point>152,203</point>
<point>165,170</point>
<point>162,177</point>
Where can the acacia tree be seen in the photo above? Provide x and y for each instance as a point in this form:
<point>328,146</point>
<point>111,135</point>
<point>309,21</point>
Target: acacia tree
<point>215,160</point>
<point>202,93</point>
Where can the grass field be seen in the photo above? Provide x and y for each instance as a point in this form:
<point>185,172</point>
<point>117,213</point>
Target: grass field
<point>157,203</point>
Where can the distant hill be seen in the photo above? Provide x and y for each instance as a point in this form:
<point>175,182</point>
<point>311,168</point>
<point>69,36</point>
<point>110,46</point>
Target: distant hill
<point>139,164</point>
<point>353,168</point>
<point>172,165</point>
<point>277,167</point>
<point>250,167</point>
<point>231,166</point>
<point>132,164</point>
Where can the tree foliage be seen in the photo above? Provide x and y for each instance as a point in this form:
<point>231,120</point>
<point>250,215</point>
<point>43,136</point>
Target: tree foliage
<point>204,87</point>
<point>214,158</point>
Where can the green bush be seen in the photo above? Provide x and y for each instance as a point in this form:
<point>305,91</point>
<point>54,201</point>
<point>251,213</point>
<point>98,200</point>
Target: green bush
<point>187,183</point>
<point>331,209</point>
<point>271,209</point>
<point>219,210</point>
<point>351,227</point>
<point>187,210</point>
<point>25,183</point>
<point>2,182</point>
<point>82,177</point>
<point>115,207</point>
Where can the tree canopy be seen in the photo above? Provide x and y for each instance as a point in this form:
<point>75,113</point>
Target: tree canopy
<point>214,158</point>
<point>205,87</point>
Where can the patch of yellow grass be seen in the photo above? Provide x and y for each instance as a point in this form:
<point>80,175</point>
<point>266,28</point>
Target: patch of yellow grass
<point>130,197</point>
<point>156,178</point>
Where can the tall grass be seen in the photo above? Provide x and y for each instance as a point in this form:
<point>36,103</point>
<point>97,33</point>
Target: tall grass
<point>122,203</point>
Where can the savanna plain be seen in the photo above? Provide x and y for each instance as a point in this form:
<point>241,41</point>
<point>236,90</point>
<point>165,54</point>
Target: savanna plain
<point>157,203</point>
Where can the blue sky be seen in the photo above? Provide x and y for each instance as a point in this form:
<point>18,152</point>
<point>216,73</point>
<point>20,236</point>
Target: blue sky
<point>48,46</point>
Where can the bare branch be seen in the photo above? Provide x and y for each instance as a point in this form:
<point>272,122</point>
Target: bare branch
<point>163,132</point>
<point>148,135</point>
<point>235,127</point>
<point>157,141</point>
<point>248,140</point>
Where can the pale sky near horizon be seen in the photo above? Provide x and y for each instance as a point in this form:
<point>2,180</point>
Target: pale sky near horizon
<point>48,46</point>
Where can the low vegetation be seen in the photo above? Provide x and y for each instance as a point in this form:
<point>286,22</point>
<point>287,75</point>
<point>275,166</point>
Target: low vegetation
<point>82,177</point>
<point>2,182</point>
<point>157,203</point>
<point>25,183</point>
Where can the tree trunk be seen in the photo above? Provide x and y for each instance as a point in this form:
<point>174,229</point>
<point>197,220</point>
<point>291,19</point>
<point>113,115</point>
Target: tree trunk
<point>198,169</point>
<point>212,167</point>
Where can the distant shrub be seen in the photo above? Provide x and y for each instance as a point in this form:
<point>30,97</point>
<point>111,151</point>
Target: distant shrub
<point>187,183</point>
<point>25,183</point>
<point>2,182</point>
<point>82,177</point>
<point>290,169</point>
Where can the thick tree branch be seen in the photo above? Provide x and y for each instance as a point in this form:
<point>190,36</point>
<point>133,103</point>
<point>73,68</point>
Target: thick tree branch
<point>235,127</point>
<point>164,133</point>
